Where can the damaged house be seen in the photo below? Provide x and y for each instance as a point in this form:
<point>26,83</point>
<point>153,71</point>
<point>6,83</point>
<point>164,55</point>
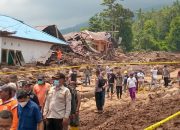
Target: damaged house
<point>21,43</point>
<point>54,31</point>
<point>88,43</point>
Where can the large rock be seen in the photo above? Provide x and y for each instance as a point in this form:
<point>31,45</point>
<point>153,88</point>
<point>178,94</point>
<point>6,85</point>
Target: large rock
<point>4,70</point>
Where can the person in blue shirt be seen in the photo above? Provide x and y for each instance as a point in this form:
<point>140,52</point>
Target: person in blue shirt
<point>30,117</point>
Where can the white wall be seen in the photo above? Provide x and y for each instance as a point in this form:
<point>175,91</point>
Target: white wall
<point>31,50</point>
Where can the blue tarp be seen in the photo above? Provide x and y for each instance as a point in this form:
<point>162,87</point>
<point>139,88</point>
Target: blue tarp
<point>23,30</point>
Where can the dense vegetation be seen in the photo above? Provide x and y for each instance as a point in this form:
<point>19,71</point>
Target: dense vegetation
<point>152,30</point>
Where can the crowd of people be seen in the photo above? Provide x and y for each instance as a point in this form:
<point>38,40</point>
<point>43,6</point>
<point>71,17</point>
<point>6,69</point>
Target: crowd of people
<point>52,105</point>
<point>55,104</point>
<point>109,82</point>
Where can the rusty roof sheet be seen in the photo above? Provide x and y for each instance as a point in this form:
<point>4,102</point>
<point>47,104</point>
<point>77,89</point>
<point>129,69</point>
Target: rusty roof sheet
<point>98,36</point>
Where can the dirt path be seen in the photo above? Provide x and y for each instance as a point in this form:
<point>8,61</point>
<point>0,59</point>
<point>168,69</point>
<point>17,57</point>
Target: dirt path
<point>149,108</point>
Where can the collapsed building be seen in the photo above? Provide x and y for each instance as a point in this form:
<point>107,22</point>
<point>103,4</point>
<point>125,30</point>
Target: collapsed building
<point>87,43</point>
<point>21,44</point>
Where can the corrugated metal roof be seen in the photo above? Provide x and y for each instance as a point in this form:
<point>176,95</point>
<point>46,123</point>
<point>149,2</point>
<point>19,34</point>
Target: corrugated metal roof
<point>23,30</point>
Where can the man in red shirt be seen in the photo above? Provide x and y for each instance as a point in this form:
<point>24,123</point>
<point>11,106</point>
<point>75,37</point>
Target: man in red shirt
<point>59,55</point>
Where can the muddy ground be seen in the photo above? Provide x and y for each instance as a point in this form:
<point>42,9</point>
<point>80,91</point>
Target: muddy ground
<point>149,108</point>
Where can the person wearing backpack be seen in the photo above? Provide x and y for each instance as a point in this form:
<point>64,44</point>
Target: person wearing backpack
<point>100,83</point>
<point>75,105</point>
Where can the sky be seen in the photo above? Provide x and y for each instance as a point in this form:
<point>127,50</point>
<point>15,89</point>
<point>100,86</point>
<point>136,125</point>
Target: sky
<point>64,13</point>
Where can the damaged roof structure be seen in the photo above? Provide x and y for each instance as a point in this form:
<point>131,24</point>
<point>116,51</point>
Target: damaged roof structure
<point>51,30</point>
<point>86,42</point>
<point>21,43</point>
<point>55,32</point>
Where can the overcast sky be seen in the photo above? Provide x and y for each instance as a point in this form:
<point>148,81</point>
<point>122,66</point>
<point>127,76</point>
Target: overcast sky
<point>64,13</point>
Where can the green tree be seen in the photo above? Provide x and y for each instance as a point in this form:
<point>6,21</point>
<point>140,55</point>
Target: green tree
<point>157,29</point>
<point>174,34</point>
<point>114,19</point>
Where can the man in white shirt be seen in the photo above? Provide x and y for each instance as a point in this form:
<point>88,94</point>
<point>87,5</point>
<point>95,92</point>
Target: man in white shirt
<point>58,105</point>
<point>154,76</point>
<point>131,82</point>
<point>140,76</point>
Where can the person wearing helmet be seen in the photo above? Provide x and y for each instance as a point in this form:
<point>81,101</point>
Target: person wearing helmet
<point>125,77</point>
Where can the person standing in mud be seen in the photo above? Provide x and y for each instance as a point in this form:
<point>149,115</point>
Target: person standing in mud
<point>104,79</point>
<point>125,77</point>
<point>107,71</point>
<point>140,76</point>
<point>75,105</point>
<point>154,72</point>
<point>59,55</point>
<point>137,83</point>
<point>100,84</point>
<point>119,81</point>
<point>73,75</point>
<point>178,77</point>
<point>87,74</point>
<point>131,82</point>
<point>166,76</point>
<point>111,82</point>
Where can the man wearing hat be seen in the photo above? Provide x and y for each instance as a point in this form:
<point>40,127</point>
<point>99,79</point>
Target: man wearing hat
<point>41,89</point>
<point>58,104</point>
<point>27,86</point>
<point>30,117</point>
<point>9,103</point>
